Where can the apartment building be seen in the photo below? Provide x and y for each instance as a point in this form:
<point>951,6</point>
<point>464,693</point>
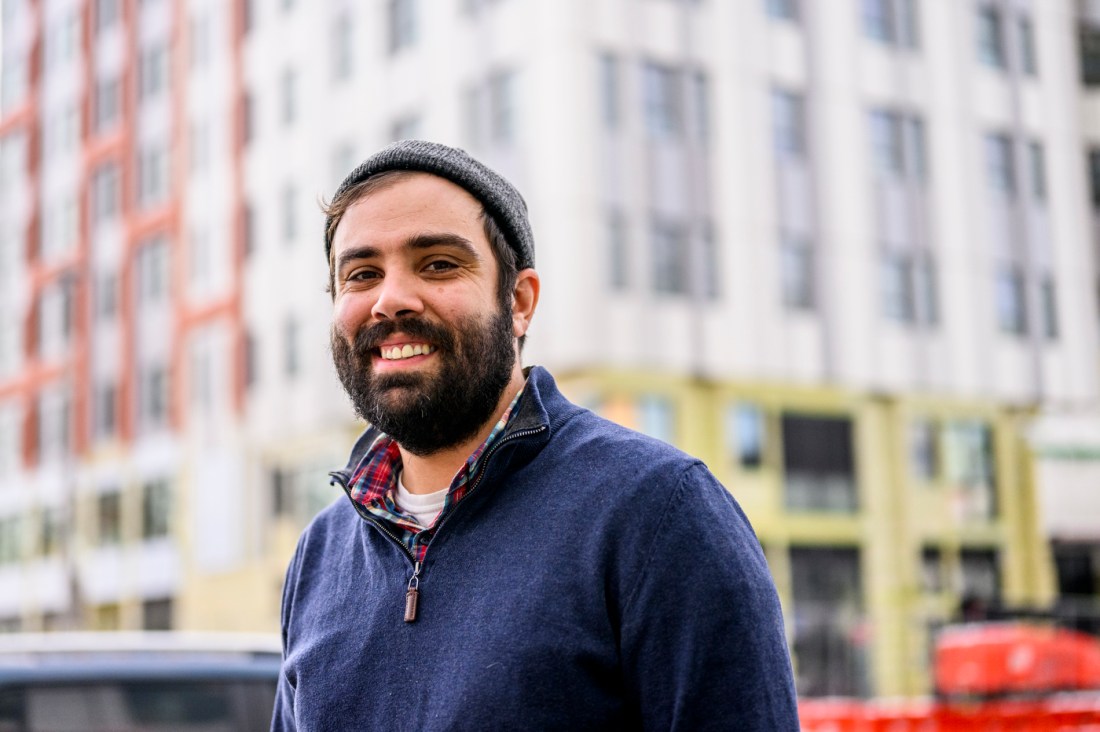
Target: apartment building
<point>846,255</point>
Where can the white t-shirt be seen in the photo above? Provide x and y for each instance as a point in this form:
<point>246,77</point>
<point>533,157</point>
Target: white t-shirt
<point>424,506</point>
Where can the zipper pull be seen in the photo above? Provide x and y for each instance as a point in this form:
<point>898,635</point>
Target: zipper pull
<point>412,594</point>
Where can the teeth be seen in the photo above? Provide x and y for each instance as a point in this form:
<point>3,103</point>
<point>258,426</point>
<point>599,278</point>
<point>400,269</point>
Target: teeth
<point>396,353</point>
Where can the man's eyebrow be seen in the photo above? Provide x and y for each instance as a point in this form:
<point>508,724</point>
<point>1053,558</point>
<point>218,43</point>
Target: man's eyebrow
<point>419,241</point>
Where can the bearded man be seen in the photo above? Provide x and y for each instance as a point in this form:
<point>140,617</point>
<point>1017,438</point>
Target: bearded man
<point>503,559</point>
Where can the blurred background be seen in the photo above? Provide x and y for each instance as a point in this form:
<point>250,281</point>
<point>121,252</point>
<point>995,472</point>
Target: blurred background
<point>846,251</point>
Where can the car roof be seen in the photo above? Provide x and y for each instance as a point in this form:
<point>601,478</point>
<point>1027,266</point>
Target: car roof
<point>136,656</point>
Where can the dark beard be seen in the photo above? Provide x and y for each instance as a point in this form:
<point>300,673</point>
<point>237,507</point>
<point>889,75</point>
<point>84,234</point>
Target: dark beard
<point>427,413</point>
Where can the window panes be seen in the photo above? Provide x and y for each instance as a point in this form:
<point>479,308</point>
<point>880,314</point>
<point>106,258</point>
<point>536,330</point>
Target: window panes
<point>923,451</point>
<point>1029,63</point>
<point>797,273</point>
<point>990,36</point>
<point>156,508</point>
<point>11,539</point>
<point>1011,303</point>
<point>746,431</point>
<point>1048,300</point>
<point>1000,164</point>
<point>609,91</point>
<point>898,287</point>
<point>788,124</point>
<point>402,24</point>
<point>969,468</point>
<point>932,574</point>
<point>617,256</point>
<point>981,575</point>
<point>1037,159</point>
<point>663,95</point>
<point>108,518</point>
<point>1094,178</point>
<point>782,9</point>
<point>818,464</point>
<point>669,242</point>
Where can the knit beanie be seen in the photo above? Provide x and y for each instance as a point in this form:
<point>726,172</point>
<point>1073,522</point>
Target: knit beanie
<point>499,197</point>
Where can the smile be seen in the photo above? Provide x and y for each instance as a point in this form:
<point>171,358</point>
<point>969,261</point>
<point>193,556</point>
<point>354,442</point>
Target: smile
<point>408,350</point>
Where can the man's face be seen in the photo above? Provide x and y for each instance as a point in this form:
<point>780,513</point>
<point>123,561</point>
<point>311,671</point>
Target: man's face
<point>421,338</point>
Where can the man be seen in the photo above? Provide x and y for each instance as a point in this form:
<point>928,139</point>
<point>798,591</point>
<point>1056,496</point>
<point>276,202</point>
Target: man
<point>504,559</point>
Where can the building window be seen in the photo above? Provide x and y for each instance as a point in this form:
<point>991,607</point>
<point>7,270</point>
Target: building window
<point>797,272</point>
<point>109,518</point>
<point>923,451</point>
<point>818,464</point>
<point>1094,178</point>
<point>11,539</point>
<point>898,287</point>
<point>1000,164</point>
<point>1048,300</point>
<point>152,272</point>
<point>289,94</point>
<point>893,22</point>
<point>1037,157</point>
<point>106,295</point>
<point>617,254</point>
<point>153,70</point>
<point>50,532</point>
<point>105,205</point>
<point>402,26</point>
<point>106,14</point>
<point>152,173</point>
<point>343,46</point>
<point>656,417</point>
<point>153,397</point>
<point>1011,302</point>
<point>662,90</point>
<point>712,273</point>
<point>669,241</point>
<point>746,432</point>
<point>290,347</point>
<point>932,575</point>
<point>981,576</point>
<point>789,124</point>
<point>991,41</point>
<point>156,614</point>
<point>502,108</point>
<point>968,467</point>
<point>782,9</point>
<point>104,410</point>
<point>1029,61</point>
<point>898,144</point>
<point>829,640</point>
<point>106,103</point>
<point>1089,40</point>
<point>156,509</point>
<point>609,91</point>
<point>290,218</point>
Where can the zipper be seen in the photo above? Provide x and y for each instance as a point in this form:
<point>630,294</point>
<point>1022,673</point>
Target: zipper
<point>412,589</point>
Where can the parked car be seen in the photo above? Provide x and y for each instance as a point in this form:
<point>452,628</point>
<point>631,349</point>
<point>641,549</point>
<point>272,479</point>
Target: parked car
<point>147,681</point>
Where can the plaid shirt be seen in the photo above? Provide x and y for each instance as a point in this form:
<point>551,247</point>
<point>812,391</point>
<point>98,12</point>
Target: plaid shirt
<point>374,485</point>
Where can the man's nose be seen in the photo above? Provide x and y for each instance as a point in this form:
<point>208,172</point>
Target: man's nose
<point>398,295</point>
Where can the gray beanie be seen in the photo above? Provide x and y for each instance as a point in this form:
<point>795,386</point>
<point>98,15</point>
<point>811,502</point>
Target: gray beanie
<point>499,197</point>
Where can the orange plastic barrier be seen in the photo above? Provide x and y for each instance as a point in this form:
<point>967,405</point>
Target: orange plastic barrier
<point>1057,713</point>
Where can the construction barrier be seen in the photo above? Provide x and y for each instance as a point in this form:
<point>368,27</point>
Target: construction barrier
<point>1054,713</point>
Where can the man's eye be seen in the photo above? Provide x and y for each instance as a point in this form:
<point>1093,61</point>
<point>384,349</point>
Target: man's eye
<point>440,265</point>
<point>362,275</point>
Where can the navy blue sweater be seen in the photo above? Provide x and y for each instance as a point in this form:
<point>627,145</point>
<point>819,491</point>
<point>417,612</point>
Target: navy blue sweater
<point>595,578</point>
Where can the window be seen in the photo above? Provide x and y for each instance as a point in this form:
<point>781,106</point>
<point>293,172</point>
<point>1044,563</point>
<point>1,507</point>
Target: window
<point>50,532</point>
<point>829,635</point>
<point>104,410</point>
<point>663,97</point>
<point>1029,63</point>
<point>609,91</point>
<point>898,145</point>
<point>981,575</point>
<point>11,539</point>
<point>797,272</point>
<point>1094,178</point>
<point>617,255</point>
<point>1011,303</point>
<point>818,464</point>
<point>712,275</point>
<point>782,9</point>
<point>701,106</point>
<point>289,94</point>
<point>745,430</point>
<point>106,103</point>
<point>932,575</point>
<point>893,22</point>
<point>1037,158</point>
<point>1048,301</point>
<point>157,615</point>
<point>106,295</point>
<point>991,42</point>
<point>969,468</point>
<point>1089,39</point>
<point>343,46</point>
<point>1000,164</point>
<point>402,28</point>
<point>156,508</point>
<point>669,241</point>
<point>923,452</point>
<point>290,347</point>
<point>55,318</point>
<point>106,14</point>
<point>655,415</point>
<point>153,70</point>
<point>108,518</point>
<point>290,219</point>
<point>788,124</point>
<point>502,107</point>
<point>152,396</point>
<point>105,194</point>
<point>152,271</point>
<point>152,173</point>
<point>898,291</point>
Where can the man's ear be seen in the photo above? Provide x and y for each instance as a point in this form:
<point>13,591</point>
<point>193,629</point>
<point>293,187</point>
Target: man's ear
<point>525,298</point>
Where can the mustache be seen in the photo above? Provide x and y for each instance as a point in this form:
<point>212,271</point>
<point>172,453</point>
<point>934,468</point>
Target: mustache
<point>370,337</point>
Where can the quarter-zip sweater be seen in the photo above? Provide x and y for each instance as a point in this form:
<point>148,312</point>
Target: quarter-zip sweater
<point>591,578</point>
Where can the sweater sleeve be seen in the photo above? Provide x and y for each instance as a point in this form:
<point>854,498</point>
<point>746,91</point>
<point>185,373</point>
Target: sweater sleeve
<point>702,635</point>
<point>282,716</point>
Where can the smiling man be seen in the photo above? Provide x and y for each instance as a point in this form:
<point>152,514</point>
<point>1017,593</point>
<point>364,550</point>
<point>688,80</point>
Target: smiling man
<point>504,559</point>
